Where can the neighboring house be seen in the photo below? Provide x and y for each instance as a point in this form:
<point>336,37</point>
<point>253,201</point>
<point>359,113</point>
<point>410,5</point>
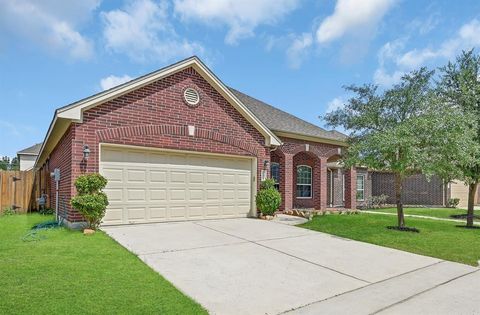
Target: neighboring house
<point>27,157</point>
<point>177,144</point>
<point>418,190</point>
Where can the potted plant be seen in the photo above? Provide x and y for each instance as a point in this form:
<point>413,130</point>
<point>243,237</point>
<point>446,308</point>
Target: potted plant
<point>90,200</point>
<point>268,198</point>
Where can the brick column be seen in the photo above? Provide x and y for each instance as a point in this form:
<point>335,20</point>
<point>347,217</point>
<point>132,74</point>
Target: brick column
<point>351,188</point>
<point>323,183</point>
<point>286,182</point>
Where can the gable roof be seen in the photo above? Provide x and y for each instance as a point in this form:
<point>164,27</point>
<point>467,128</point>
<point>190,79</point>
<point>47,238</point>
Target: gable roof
<point>33,150</point>
<point>74,112</point>
<point>283,123</point>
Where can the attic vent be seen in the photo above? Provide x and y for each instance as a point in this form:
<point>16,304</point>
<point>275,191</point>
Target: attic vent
<point>191,96</point>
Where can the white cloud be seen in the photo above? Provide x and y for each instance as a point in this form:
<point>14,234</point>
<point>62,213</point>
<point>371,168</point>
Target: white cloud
<point>353,17</point>
<point>334,104</point>
<point>50,24</point>
<point>393,54</point>
<point>298,49</point>
<point>112,81</point>
<point>241,17</point>
<point>142,31</point>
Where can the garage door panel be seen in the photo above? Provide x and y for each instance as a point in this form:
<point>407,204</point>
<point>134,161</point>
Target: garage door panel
<point>196,194</point>
<point>158,176</point>
<point>178,195</point>
<point>158,213</point>
<point>195,211</point>
<point>114,175</point>
<point>158,194</point>
<point>153,186</point>
<point>136,213</point>
<point>114,194</point>
<point>136,195</point>
<point>179,211</point>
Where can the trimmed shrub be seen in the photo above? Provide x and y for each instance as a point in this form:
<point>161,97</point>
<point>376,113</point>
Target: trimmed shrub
<point>453,202</point>
<point>268,198</point>
<point>90,200</point>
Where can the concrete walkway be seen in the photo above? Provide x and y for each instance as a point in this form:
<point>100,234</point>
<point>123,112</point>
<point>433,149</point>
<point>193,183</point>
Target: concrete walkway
<point>249,266</point>
<point>420,217</point>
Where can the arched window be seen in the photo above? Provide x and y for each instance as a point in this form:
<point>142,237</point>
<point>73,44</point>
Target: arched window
<point>304,181</point>
<point>275,174</point>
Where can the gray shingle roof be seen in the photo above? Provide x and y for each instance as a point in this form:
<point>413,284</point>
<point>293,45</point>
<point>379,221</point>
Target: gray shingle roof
<point>33,150</point>
<point>278,120</point>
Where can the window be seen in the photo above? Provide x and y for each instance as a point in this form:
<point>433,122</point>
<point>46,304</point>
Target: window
<point>361,187</point>
<point>304,181</point>
<point>275,174</point>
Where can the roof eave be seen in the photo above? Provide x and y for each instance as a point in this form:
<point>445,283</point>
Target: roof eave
<point>309,138</point>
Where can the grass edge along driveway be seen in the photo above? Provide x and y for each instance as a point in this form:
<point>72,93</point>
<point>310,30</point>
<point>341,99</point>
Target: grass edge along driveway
<point>66,272</point>
<point>440,239</point>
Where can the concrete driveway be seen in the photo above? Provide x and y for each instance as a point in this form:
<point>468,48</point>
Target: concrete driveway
<point>248,266</point>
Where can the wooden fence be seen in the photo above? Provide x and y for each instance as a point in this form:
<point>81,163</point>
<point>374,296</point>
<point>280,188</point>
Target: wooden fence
<point>16,190</point>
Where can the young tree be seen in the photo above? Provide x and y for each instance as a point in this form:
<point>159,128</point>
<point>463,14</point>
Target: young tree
<point>402,130</point>
<point>459,87</point>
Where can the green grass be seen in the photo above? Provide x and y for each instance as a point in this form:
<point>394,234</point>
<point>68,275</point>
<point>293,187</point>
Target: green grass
<point>439,239</point>
<point>443,213</point>
<point>69,273</point>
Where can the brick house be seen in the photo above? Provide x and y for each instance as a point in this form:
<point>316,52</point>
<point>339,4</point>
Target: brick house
<point>177,144</point>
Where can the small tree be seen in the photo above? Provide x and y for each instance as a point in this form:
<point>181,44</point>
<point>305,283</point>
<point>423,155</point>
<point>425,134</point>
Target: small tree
<point>399,130</point>
<point>459,87</point>
<point>90,200</point>
<point>268,198</point>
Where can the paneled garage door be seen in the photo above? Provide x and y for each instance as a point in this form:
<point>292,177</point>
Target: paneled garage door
<point>155,186</point>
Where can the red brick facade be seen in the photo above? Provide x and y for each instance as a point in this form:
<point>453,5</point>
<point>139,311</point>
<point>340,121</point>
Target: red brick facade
<point>156,115</point>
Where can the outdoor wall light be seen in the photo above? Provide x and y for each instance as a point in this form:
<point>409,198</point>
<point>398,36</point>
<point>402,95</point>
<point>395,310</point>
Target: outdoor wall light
<point>86,152</point>
<point>265,164</point>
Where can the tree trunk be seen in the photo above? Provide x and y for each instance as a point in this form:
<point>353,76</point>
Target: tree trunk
<point>398,199</point>
<point>472,190</point>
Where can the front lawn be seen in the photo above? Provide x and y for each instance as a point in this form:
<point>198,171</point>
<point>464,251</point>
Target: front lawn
<point>439,239</point>
<point>444,213</point>
<point>66,272</point>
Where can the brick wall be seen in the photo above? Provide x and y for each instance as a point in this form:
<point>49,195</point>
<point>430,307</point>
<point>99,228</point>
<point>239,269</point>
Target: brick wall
<point>156,116</point>
<point>61,158</point>
<point>417,189</point>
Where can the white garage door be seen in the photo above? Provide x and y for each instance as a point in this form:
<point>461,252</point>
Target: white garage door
<point>155,186</point>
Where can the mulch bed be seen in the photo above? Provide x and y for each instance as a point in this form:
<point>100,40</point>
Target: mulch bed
<point>464,216</point>
<point>404,229</point>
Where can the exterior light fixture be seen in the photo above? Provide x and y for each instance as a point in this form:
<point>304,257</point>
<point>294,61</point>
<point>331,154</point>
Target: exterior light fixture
<point>265,164</point>
<point>86,152</point>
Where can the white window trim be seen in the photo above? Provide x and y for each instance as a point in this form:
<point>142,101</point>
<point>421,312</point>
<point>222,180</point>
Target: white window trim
<point>311,182</point>
<point>363,180</point>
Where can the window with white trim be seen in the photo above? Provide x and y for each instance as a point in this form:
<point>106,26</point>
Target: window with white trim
<point>360,187</point>
<point>275,174</point>
<point>304,181</point>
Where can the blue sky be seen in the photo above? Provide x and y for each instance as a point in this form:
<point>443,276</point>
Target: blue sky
<point>293,54</point>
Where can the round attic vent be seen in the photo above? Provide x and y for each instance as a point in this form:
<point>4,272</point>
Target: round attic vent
<point>191,96</point>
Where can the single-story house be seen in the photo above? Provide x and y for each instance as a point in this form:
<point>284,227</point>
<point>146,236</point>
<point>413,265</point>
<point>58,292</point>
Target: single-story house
<point>27,157</point>
<point>178,144</point>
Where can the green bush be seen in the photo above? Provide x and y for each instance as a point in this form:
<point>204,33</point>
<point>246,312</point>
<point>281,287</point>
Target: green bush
<point>9,211</point>
<point>268,198</point>
<point>46,211</point>
<point>90,200</point>
<point>453,202</point>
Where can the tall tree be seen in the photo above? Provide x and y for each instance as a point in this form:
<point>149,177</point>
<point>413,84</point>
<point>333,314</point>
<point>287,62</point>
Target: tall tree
<point>14,164</point>
<point>4,163</point>
<point>400,130</point>
<point>459,87</point>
